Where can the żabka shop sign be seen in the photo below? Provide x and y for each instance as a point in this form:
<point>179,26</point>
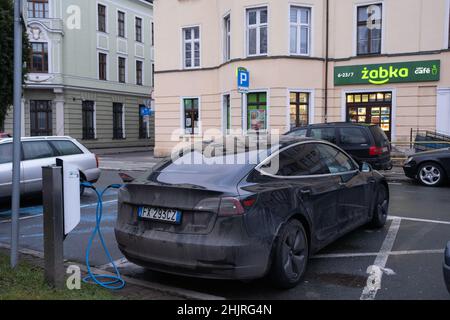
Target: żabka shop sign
<point>379,74</point>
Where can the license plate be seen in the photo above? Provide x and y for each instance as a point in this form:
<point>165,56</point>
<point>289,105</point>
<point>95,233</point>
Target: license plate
<point>159,214</point>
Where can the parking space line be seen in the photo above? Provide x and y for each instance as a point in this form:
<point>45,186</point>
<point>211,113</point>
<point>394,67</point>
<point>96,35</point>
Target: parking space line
<point>420,220</point>
<point>374,254</point>
<point>23,218</point>
<point>376,270</point>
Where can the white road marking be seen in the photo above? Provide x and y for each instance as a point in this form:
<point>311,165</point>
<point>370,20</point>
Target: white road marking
<point>419,220</point>
<point>395,183</point>
<point>376,270</point>
<point>374,254</point>
<point>89,205</point>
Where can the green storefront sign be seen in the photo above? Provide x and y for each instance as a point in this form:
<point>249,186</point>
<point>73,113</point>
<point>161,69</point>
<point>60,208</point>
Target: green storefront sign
<point>379,74</point>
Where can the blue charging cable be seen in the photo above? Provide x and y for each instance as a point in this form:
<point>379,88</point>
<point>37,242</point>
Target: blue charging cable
<point>113,282</point>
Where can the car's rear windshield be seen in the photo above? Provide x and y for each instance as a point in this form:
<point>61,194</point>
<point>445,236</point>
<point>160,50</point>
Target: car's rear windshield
<point>380,137</point>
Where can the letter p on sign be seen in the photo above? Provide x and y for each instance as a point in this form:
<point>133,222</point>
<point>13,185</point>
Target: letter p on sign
<point>243,79</point>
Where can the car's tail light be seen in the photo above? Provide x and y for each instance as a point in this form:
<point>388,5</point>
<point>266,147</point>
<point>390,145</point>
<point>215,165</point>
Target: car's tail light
<point>375,151</point>
<point>96,160</point>
<point>230,207</point>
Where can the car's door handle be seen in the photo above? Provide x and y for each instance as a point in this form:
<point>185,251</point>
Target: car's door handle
<point>305,192</point>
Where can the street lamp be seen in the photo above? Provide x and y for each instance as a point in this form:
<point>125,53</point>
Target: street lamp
<point>15,205</point>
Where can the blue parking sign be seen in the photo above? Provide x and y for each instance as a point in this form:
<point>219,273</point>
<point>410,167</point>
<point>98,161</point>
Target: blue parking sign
<point>243,80</point>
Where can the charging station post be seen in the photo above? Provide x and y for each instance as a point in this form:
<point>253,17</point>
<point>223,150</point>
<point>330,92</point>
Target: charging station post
<point>53,226</point>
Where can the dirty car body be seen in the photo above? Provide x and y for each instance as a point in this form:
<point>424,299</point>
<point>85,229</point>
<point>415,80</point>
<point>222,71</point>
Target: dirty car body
<point>232,214</point>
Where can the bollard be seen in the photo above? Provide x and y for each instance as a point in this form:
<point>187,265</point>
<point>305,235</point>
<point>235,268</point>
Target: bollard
<point>53,226</point>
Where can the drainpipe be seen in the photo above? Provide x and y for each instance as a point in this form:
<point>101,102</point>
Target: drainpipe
<point>327,24</point>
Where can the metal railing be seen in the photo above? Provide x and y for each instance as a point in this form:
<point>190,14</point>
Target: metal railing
<point>424,140</point>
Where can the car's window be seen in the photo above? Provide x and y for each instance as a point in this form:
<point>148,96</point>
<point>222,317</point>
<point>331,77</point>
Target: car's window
<point>335,160</point>
<point>381,139</point>
<point>6,152</point>
<point>298,133</point>
<point>299,160</point>
<point>66,148</point>
<point>37,150</point>
<point>351,136</point>
<point>327,134</point>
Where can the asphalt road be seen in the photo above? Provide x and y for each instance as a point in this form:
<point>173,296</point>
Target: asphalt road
<point>408,252</point>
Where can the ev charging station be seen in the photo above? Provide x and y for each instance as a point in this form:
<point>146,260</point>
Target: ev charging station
<point>61,201</point>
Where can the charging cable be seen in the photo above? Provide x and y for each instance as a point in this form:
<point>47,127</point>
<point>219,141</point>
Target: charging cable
<point>113,282</point>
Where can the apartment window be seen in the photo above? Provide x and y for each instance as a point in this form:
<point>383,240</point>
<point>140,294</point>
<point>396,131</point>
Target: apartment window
<point>38,9</point>
<point>300,31</point>
<point>153,74</point>
<point>39,57</point>
<point>369,29</point>
<point>257,31</point>
<point>121,24</point>
<point>88,120</point>
<point>257,111</point>
<point>449,29</point>
<point>41,117</point>
<point>143,123</point>
<point>153,35</point>
<point>102,58</point>
<point>101,12</point>
<point>227,38</point>
<point>138,25</point>
<point>118,132</point>
<point>122,70</point>
<point>191,115</point>
<point>226,113</point>
<point>299,109</point>
<point>191,40</point>
<point>139,65</point>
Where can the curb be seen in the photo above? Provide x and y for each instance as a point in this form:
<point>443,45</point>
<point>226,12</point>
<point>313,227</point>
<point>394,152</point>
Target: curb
<point>179,292</point>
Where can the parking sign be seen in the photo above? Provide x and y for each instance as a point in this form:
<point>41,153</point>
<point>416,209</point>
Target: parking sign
<point>243,80</point>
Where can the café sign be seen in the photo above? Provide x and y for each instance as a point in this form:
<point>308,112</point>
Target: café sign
<point>379,74</point>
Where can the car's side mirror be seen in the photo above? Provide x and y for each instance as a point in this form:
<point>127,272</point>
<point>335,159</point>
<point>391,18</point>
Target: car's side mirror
<point>365,167</point>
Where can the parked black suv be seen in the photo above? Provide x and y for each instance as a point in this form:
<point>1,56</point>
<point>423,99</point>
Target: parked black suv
<point>364,142</point>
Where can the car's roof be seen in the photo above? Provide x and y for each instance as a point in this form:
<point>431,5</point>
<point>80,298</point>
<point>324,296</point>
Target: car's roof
<point>337,124</point>
<point>40,138</point>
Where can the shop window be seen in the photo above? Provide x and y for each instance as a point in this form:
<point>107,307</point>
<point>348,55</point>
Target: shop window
<point>226,113</point>
<point>257,111</point>
<point>299,109</point>
<point>191,115</point>
<point>369,29</point>
<point>143,123</point>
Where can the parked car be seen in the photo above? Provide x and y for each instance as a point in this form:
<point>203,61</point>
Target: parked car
<point>447,266</point>
<point>430,168</point>
<point>364,142</point>
<point>243,221</point>
<point>43,151</point>
<point>4,135</point>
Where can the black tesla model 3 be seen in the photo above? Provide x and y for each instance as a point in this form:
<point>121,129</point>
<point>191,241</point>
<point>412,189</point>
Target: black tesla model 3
<point>245,213</point>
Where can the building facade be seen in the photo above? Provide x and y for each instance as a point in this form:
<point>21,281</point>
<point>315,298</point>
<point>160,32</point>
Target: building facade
<point>91,71</point>
<point>311,61</point>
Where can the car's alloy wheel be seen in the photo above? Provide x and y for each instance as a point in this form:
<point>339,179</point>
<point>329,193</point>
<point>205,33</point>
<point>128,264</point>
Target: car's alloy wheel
<point>381,208</point>
<point>430,174</point>
<point>291,255</point>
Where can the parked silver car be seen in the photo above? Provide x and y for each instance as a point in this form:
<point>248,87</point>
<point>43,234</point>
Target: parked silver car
<point>38,152</point>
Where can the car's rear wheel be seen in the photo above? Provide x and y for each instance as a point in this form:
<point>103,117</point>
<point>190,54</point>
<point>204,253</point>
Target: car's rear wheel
<point>290,256</point>
<point>381,208</point>
<point>431,174</point>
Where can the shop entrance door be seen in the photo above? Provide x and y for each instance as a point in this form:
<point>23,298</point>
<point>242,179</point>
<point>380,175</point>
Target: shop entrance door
<point>372,108</point>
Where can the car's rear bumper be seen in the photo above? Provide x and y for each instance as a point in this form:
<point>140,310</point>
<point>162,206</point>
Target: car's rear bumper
<point>222,254</point>
<point>379,163</point>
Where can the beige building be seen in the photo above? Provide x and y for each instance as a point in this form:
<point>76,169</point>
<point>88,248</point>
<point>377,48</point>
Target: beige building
<point>384,62</point>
